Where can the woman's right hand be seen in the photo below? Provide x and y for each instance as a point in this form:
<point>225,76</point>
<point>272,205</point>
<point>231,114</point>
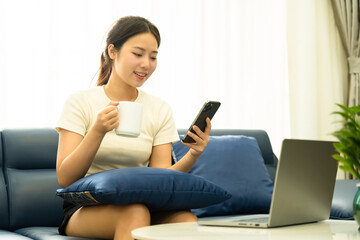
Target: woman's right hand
<point>107,119</point>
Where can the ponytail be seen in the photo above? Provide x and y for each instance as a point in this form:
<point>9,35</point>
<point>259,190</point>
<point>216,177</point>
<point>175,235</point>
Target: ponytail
<point>105,69</point>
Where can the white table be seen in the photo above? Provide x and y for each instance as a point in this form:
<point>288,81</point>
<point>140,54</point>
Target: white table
<point>325,230</point>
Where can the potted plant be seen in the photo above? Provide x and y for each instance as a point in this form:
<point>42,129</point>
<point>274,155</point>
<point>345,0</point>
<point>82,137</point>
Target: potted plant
<point>348,148</point>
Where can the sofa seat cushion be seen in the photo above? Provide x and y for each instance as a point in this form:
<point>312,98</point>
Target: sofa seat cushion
<point>234,163</point>
<point>45,233</point>
<point>160,189</point>
<point>12,236</point>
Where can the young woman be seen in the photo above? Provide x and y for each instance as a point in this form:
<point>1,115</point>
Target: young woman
<point>88,143</point>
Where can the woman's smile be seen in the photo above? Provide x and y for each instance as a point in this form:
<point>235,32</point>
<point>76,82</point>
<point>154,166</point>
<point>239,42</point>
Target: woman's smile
<point>140,75</point>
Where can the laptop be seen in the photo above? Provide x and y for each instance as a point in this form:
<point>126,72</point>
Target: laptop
<point>303,188</point>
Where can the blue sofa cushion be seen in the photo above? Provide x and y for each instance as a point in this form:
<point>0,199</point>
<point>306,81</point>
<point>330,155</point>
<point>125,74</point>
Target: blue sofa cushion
<point>160,189</point>
<point>4,234</point>
<point>342,207</point>
<point>234,163</point>
<point>29,168</point>
<point>45,233</point>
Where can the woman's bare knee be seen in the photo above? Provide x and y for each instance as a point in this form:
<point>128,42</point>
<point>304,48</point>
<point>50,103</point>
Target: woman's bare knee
<point>173,217</point>
<point>133,216</point>
<point>136,213</point>
<point>184,216</point>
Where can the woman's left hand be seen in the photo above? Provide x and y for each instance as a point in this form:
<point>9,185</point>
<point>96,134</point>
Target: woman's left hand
<point>201,139</point>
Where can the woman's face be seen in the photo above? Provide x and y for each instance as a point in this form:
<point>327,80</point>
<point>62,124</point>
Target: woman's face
<point>136,60</point>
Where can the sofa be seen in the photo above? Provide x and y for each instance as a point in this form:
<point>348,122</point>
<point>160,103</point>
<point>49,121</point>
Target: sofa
<point>29,207</point>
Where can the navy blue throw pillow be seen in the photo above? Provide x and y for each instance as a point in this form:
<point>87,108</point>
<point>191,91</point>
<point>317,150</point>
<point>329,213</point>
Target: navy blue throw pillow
<point>234,163</point>
<point>159,189</point>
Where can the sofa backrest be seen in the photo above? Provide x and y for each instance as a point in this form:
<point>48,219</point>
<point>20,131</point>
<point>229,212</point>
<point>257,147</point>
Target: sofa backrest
<point>262,138</point>
<point>4,214</point>
<point>29,167</point>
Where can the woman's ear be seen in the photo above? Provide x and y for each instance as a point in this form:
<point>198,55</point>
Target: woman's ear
<point>112,51</point>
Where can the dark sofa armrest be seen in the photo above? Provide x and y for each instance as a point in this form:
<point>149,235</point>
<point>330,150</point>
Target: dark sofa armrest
<point>342,204</point>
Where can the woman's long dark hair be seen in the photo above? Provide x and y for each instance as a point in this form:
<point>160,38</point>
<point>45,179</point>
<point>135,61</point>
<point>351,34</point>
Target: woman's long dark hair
<point>121,31</point>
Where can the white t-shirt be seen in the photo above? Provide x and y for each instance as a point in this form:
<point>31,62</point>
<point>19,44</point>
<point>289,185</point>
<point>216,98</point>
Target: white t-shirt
<point>158,127</point>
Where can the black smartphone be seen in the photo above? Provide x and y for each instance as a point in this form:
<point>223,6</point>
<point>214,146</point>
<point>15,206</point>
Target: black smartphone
<point>208,110</point>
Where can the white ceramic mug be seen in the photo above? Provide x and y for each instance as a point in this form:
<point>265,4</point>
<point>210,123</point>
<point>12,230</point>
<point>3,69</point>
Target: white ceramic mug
<point>130,118</point>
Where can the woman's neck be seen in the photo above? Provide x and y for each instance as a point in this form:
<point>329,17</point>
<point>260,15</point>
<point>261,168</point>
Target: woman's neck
<point>120,92</point>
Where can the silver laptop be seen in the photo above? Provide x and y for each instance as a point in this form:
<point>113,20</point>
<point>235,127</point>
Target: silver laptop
<point>303,189</point>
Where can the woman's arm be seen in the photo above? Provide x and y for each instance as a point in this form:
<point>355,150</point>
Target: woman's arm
<point>161,155</point>
<point>76,153</point>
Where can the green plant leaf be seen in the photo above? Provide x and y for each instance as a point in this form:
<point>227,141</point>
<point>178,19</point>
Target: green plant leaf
<point>348,146</point>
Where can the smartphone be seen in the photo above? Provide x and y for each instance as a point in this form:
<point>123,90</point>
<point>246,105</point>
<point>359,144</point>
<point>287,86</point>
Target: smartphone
<point>208,110</point>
